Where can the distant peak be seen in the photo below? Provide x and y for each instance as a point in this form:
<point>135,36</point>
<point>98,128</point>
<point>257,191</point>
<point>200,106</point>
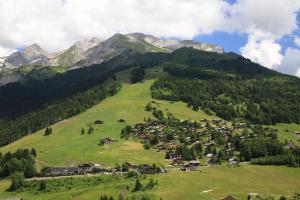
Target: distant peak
<point>33,46</point>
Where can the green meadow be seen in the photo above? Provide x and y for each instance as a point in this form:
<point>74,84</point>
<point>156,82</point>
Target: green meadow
<point>67,146</point>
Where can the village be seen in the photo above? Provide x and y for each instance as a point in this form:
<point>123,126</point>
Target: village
<point>188,145</point>
<point>185,143</point>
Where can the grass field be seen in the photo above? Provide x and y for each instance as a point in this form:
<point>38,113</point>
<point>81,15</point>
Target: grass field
<point>66,146</point>
<point>206,184</point>
<point>285,132</point>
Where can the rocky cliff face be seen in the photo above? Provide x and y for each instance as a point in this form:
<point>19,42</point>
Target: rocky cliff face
<point>32,54</point>
<point>74,54</point>
<point>173,44</point>
<point>96,50</point>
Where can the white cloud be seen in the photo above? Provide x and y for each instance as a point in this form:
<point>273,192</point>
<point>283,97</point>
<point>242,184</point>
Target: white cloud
<point>56,24</point>
<point>266,52</point>
<point>6,51</point>
<point>265,22</point>
<point>273,18</point>
<point>297,41</point>
<point>290,62</point>
<point>298,73</point>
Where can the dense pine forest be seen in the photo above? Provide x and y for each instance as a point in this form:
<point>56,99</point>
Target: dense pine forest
<point>259,101</point>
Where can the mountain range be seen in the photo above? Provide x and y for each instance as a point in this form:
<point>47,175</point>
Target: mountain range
<point>16,66</point>
<point>96,50</point>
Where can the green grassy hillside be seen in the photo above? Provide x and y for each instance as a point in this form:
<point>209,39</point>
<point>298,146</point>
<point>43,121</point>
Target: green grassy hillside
<point>66,146</point>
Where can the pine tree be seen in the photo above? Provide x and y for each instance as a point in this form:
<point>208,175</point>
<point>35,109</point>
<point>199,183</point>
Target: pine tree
<point>48,130</point>
<point>90,130</point>
<point>42,186</point>
<point>33,152</point>
<point>138,185</point>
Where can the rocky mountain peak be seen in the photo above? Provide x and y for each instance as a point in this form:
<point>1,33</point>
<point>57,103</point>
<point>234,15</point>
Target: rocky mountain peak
<point>34,51</point>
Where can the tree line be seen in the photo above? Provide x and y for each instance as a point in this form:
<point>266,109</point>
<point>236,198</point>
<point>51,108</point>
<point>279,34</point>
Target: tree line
<point>23,161</point>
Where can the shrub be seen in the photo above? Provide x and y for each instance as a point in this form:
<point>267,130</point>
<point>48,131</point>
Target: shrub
<point>17,181</point>
<point>42,186</point>
<point>138,185</point>
<point>146,145</point>
<point>131,174</point>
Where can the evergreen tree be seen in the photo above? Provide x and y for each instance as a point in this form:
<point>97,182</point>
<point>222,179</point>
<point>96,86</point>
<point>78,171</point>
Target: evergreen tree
<point>138,185</point>
<point>33,152</point>
<point>29,171</point>
<point>42,186</point>
<point>90,130</point>
<point>48,130</point>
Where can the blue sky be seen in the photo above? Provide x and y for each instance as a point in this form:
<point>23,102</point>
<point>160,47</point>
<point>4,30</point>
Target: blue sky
<point>229,41</point>
<point>232,42</point>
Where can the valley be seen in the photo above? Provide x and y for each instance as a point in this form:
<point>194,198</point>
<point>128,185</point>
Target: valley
<point>66,146</point>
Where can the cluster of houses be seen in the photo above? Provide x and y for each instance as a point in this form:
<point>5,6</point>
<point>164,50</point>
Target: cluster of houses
<point>76,170</point>
<point>194,133</point>
<point>92,168</point>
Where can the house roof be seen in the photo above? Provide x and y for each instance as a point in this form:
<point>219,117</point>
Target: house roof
<point>229,198</point>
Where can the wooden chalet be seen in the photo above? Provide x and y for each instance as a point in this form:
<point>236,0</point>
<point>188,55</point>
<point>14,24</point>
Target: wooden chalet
<point>133,166</point>
<point>88,167</point>
<point>173,156</point>
<point>146,169</point>
<point>191,166</point>
<point>177,161</point>
<point>64,171</point>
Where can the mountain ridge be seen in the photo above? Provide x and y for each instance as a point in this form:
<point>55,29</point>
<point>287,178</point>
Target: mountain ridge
<point>87,50</point>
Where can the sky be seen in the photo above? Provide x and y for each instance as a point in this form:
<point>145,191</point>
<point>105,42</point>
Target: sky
<point>266,31</point>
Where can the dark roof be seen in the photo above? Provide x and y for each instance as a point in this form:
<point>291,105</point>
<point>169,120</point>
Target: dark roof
<point>229,198</point>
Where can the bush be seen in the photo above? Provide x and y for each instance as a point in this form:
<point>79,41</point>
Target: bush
<point>146,145</point>
<point>150,184</point>
<point>17,181</point>
<point>105,197</point>
<point>42,186</point>
<point>48,131</point>
<point>138,185</point>
<point>131,174</point>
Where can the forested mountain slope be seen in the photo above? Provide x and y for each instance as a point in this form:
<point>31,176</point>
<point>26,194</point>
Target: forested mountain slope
<point>226,84</point>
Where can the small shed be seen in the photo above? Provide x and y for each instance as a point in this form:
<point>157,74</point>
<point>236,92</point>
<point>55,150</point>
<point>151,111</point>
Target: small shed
<point>106,141</point>
<point>98,122</point>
